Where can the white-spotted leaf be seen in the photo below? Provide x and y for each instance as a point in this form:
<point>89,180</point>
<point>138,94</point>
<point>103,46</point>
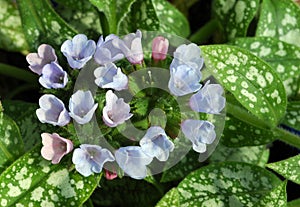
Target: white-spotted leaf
<point>252,81</point>
<point>292,116</point>
<point>289,168</point>
<point>170,199</point>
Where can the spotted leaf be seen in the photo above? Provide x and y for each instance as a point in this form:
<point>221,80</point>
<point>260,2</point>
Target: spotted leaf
<point>292,116</point>
<point>289,168</point>
<point>280,19</point>
<point>33,181</point>
<point>235,15</point>
<point>252,81</point>
<point>227,183</point>
<point>170,199</point>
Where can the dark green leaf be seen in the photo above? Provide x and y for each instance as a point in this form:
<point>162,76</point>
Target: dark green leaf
<point>170,199</point>
<point>294,203</point>
<point>292,116</point>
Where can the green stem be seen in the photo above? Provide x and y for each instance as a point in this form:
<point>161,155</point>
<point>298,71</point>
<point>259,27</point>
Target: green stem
<point>18,73</point>
<point>104,24</point>
<point>288,137</point>
<point>204,32</point>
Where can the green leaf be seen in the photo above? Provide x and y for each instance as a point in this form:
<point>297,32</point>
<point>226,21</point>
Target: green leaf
<point>33,181</point>
<point>280,19</point>
<point>292,116</point>
<point>12,37</point>
<point>283,57</point>
<point>227,183</point>
<point>277,197</point>
<point>41,24</point>
<point>252,81</point>
<point>235,15</point>
<point>289,168</point>
<point>170,199</point>
<point>294,203</point>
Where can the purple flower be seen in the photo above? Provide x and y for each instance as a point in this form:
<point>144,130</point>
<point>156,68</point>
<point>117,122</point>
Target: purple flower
<point>90,159</point>
<point>44,56</point>
<point>106,52</point>
<point>55,147</point>
<point>82,106</point>
<point>131,46</point>
<point>208,99</point>
<point>132,160</point>
<point>199,133</point>
<point>155,143</point>
<point>52,111</point>
<point>78,51</point>
<point>184,79</point>
<point>116,111</point>
<point>53,76</point>
<point>109,76</point>
<point>160,47</point>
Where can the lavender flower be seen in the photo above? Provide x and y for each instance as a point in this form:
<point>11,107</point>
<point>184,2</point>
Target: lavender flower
<point>82,106</point>
<point>160,47</point>
<point>90,159</point>
<point>52,111</point>
<point>53,76</point>
<point>199,133</point>
<point>133,161</point>
<point>116,111</point>
<point>109,76</point>
<point>131,46</point>
<point>155,143</point>
<point>208,99</point>
<point>55,147</point>
<point>78,51</point>
<point>106,52</point>
<point>44,56</point>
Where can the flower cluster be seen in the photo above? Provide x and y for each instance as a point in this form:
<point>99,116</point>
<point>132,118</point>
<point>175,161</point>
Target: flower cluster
<point>185,78</point>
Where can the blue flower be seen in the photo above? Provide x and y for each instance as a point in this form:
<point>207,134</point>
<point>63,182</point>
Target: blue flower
<point>155,143</point>
<point>184,80</point>
<point>208,99</point>
<point>45,55</point>
<point>90,159</point>
<point>106,52</point>
<point>109,76</point>
<point>199,133</point>
<point>78,51</point>
<point>132,160</point>
<point>53,76</point>
<point>131,46</point>
<point>116,111</point>
<point>52,111</point>
<point>82,106</point>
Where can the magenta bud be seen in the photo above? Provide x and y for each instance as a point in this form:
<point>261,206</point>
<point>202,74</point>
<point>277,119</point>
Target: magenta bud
<point>160,47</point>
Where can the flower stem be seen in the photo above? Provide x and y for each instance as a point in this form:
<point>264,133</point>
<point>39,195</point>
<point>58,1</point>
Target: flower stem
<point>288,137</point>
<point>18,73</point>
<point>204,32</point>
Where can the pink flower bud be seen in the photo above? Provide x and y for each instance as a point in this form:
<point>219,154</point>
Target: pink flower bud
<point>110,175</point>
<point>160,48</point>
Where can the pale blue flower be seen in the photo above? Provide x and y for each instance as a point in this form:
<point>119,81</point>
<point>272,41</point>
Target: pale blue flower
<point>208,99</point>
<point>90,159</point>
<point>78,51</point>
<point>155,143</point>
<point>52,111</point>
<point>184,80</point>
<point>199,132</point>
<point>106,52</point>
<point>133,161</point>
<point>82,106</point>
<point>116,111</point>
<point>53,76</point>
<point>109,76</point>
<point>45,55</point>
<point>131,46</point>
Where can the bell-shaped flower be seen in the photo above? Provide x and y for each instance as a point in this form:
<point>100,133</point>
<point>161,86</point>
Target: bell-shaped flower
<point>208,99</point>
<point>52,111</point>
<point>116,111</point>
<point>160,47</point>
<point>89,159</point>
<point>133,161</point>
<point>78,51</point>
<point>106,52</point>
<point>53,76</point>
<point>184,80</point>
<point>82,106</point>
<point>131,46</point>
<point>45,55</point>
<point>199,132</point>
<point>55,147</point>
<point>155,143</point>
<point>109,76</point>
